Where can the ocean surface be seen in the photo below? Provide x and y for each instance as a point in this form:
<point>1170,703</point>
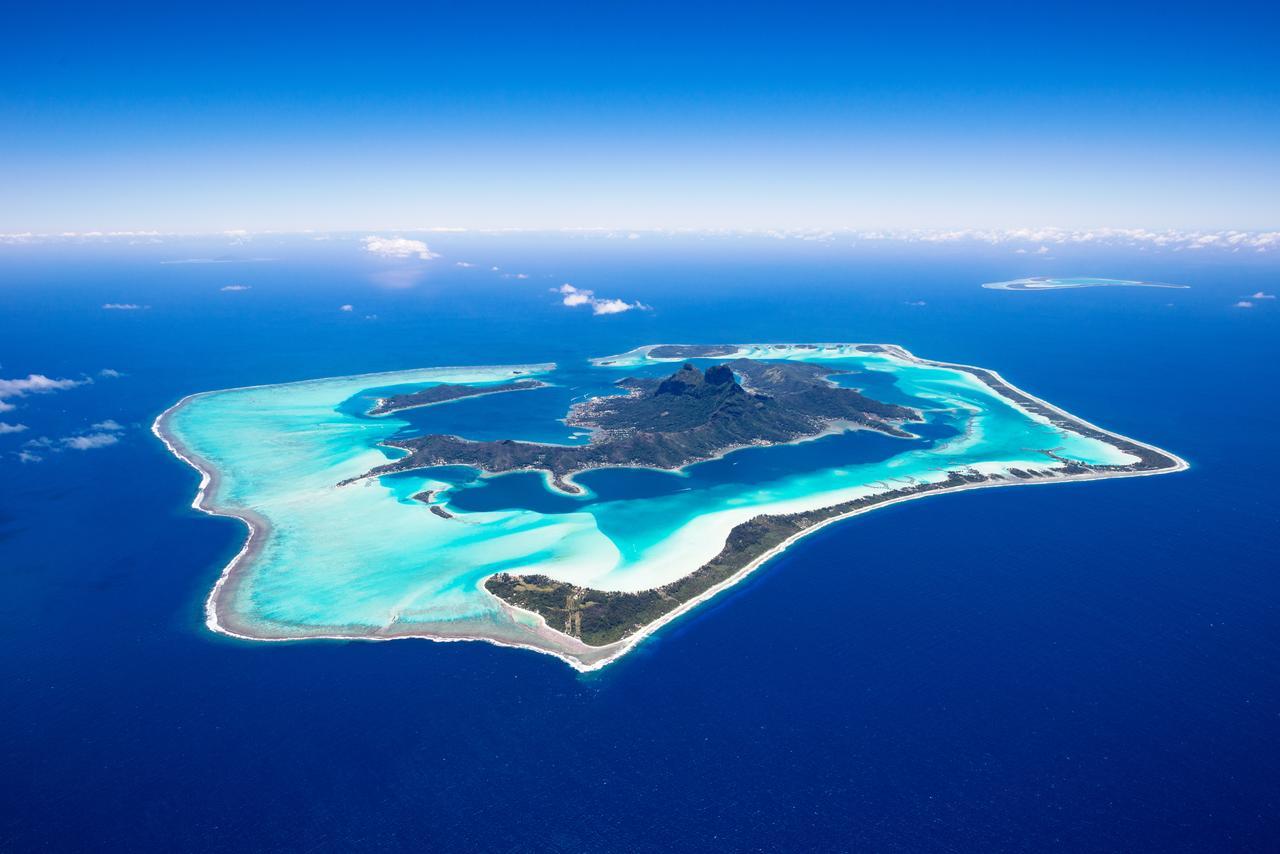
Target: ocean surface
<point>1081,666</point>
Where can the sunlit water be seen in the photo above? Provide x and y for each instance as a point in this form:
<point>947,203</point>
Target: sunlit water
<point>1077,666</point>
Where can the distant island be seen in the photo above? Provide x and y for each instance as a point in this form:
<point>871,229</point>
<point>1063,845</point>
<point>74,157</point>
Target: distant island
<point>343,546</point>
<point>1046,283</point>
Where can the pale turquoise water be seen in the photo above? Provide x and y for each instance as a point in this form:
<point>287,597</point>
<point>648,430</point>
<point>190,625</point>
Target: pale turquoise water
<point>1043,283</point>
<point>369,556</point>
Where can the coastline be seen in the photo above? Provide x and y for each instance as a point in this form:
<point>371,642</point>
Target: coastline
<point>529,630</point>
<point>259,527</point>
<point>259,530</point>
<point>580,491</point>
<point>630,641</point>
<point>372,413</point>
<point>1051,283</point>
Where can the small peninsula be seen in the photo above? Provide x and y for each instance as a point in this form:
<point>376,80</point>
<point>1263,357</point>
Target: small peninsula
<point>445,392</point>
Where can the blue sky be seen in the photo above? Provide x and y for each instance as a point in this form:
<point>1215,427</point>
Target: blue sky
<point>639,116</point>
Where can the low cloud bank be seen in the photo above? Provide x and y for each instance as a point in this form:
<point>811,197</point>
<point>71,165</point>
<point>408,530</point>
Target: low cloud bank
<point>1233,240</point>
<point>1042,238</point>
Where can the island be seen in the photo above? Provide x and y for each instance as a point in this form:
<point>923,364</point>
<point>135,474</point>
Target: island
<point>445,392</point>
<point>690,416</point>
<point>701,463</point>
<point>1047,283</point>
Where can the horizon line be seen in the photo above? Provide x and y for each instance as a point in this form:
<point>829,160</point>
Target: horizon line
<point>1260,240</point>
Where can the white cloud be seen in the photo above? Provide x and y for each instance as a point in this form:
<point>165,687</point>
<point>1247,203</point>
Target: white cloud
<point>11,428</point>
<point>28,457</point>
<point>573,297</point>
<point>124,306</point>
<point>35,384</point>
<point>347,307</point>
<point>128,236</point>
<point>89,441</point>
<point>1229,240</point>
<point>110,424</point>
<point>612,306</point>
<point>463,264</point>
<point>1244,303</point>
<point>110,373</point>
<point>917,302</point>
<point>1261,295</point>
<point>398,247</point>
<point>6,407</point>
<point>237,287</point>
<point>1039,240</point>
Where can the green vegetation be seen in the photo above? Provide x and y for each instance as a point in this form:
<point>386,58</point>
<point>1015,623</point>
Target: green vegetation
<point>600,617</point>
<point>445,392</point>
<point>669,423</point>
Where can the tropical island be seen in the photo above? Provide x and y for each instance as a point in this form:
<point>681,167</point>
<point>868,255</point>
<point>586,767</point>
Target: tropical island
<point>701,463</point>
<point>602,617</point>
<point>690,416</point>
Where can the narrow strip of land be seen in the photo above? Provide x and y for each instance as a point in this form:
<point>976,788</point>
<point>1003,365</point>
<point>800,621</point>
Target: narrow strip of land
<point>602,617</point>
<point>445,392</point>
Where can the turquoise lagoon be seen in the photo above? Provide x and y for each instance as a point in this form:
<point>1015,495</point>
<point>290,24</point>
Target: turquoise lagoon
<point>369,560</point>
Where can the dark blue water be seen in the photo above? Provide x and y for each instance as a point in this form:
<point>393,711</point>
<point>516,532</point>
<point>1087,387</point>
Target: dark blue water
<point>1081,667</point>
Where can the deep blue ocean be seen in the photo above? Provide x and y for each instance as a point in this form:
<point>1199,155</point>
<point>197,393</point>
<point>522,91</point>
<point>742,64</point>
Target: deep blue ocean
<point>1075,667</point>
